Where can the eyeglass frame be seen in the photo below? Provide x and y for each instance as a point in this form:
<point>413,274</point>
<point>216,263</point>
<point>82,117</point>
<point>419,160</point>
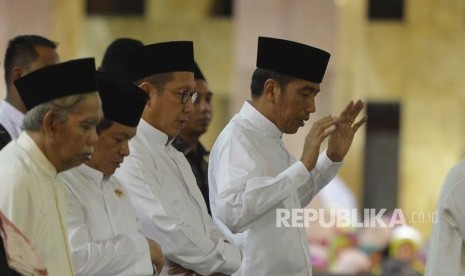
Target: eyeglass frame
<point>190,94</point>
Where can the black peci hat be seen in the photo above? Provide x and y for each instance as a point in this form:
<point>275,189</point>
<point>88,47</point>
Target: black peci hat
<point>56,81</point>
<point>197,73</point>
<point>122,102</point>
<point>158,58</point>
<point>292,58</point>
<point>111,62</point>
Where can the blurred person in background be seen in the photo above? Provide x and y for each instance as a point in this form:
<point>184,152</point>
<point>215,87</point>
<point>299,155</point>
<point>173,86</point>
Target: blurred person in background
<point>446,251</point>
<point>111,62</point>
<point>24,54</point>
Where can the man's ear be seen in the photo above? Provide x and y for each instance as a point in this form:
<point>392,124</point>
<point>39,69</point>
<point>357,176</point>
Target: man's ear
<point>271,90</point>
<point>147,88</point>
<point>16,73</point>
<point>50,123</point>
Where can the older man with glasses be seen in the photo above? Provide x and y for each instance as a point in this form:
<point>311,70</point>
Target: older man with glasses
<point>158,178</point>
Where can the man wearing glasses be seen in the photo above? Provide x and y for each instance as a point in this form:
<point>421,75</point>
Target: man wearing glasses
<point>188,140</point>
<point>158,178</point>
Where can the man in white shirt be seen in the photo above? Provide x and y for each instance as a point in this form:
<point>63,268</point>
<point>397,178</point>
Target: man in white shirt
<point>24,54</point>
<point>157,177</point>
<point>446,249</point>
<point>59,132</point>
<point>252,175</point>
<point>104,235</point>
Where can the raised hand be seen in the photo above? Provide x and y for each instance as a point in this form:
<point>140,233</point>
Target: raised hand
<point>320,130</point>
<point>341,138</point>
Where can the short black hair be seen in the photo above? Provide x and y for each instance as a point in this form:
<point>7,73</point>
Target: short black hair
<point>21,52</point>
<point>260,76</point>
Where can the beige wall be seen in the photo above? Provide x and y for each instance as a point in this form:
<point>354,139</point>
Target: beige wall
<point>418,62</point>
<point>22,17</point>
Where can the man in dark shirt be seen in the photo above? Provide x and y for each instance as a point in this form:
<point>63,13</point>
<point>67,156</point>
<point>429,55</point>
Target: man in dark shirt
<point>188,141</point>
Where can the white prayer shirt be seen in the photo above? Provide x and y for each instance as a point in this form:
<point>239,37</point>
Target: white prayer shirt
<point>446,252</point>
<point>103,231</point>
<point>34,199</point>
<point>251,176</point>
<point>170,205</point>
<point>11,119</point>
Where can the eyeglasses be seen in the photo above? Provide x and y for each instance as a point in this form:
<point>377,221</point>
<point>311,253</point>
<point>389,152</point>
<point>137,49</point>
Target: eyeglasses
<point>186,94</point>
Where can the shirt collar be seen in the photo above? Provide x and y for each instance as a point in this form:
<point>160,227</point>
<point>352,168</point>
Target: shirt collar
<point>154,135</point>
<point>28,144</point>
<point>258,120</point>
<point>95,175</point>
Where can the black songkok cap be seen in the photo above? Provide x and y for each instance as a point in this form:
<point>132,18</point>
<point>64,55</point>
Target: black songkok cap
<point>111,62</point>
<point>122,102</point>
<point>158,58</point>
<point>56,81</point>
<point>197,73</point>
<point>292,58</point>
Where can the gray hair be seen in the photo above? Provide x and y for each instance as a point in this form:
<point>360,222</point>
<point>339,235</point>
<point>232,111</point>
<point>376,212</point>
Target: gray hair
<point>62,106</point>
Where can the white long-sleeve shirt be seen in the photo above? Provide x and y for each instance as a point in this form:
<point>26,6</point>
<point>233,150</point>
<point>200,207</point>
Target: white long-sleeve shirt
<point>446,252</point>
<point>170,205</point>
<point>104,235</point>
<point>34,199</point>
<point>252,175</point>
<point>11,119</point>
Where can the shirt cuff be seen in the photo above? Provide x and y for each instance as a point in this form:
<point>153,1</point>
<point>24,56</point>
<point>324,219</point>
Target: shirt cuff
<point>144,263</point>
<point>233,259</point>
<point>324,162</point>
<point>298,173</point>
